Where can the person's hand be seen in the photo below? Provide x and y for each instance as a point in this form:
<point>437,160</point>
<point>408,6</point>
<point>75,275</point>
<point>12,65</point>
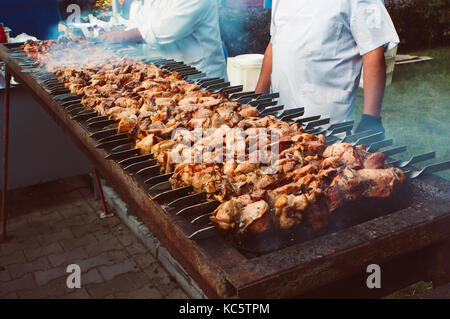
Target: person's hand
<point>370,123</point>
<point>114,36</point>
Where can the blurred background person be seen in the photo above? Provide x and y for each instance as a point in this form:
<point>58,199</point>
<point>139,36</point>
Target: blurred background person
<point>316,54</point>
<point>183,30</point>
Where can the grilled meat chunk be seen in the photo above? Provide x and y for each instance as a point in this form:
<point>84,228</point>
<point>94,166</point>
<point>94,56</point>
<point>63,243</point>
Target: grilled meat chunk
<point>352,184</point>
<point>243,216</point>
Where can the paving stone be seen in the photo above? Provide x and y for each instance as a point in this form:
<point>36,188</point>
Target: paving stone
<point>17,223</point>
<point>23,234</point>
<point>72,221</point>
<point>72,195</point>
<point>177,293</point>
<point>50,218</point>
<point>112,271</point>
<point>55,288</point>
<point>61,203</point>
<point>30,242</point>
<point>18,270</point>
<point>136,248</point>
<point>121,229</point>
<point>12,295</point>
<point>4,274</point>
<point>53,248</point>
<point>126,239</point>
<point>76,208</point>
<point>86,191</point>
<point>91,216</point>
<point>87,276</point>
<point>46,239</point>
<point>102,246</point>
<point>11,247</point>
<point>161,279</point>
<point>92,276</point>
<point>31,216</point>
<point>48,211</point>
<point>88,217</point>
<point>43,277</point>
<point>106,235</point>
<point>54,217</point>
<point>73,243</point>
<point>87,228</point>
<point>122,283</point>
<point>13,258</point>
<point>147,292</point>
<point>38,229</point>
<point>94,203</point>
<point>26,282</point>
<point>144,260</point>
<point>104,259</point>
<point>69,257</point>
<point>77,294</point>
<point>112,221</point>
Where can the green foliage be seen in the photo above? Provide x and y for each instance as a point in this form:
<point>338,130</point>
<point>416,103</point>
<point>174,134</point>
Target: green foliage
<point>416,107</point>
<point>421,23</point>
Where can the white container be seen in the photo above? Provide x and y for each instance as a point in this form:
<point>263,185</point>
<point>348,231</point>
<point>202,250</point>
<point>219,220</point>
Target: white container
<point>245,69</point>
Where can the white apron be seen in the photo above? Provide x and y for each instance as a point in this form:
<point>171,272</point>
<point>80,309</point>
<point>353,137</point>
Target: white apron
<point>184,30</point>
<point>317,51</point>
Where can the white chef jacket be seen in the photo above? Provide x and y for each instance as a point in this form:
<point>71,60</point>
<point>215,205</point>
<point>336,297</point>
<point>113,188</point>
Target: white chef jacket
<point>317,51</point>
<point>183,30</point>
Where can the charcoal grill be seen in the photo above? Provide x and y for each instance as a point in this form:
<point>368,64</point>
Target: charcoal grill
<point>413,223</point>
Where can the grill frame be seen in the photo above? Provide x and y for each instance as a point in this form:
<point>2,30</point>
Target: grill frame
<point>219,268</point>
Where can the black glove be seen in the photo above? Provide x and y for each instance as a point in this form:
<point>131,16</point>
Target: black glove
<point>370,123</point>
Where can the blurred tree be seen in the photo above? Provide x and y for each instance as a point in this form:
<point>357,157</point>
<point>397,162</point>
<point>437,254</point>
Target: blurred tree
<point>421,24</point>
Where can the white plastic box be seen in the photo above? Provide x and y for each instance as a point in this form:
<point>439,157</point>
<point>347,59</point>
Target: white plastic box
<point>245,69</point>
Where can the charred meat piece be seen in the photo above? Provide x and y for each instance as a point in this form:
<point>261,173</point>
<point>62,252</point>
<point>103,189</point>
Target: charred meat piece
<point>242,216</point>
<point>288,210</point>
<point>352,184</point>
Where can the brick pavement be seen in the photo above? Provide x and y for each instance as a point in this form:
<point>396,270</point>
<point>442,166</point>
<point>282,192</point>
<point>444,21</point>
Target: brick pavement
<point>57,224</point>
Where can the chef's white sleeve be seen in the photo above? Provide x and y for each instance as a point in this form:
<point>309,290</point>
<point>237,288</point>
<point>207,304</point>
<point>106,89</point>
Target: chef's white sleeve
<point>371,26</point>
<point>172,24</point>
<point>272,18</point>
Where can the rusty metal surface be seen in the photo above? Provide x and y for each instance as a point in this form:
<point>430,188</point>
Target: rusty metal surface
<point>222,270</point>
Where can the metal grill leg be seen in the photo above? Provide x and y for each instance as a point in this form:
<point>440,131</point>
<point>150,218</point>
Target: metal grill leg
<point>98,185</point>
<point>5,157</point>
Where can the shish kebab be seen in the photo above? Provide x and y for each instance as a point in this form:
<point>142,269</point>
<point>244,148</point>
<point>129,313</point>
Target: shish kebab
<point>150,104</point>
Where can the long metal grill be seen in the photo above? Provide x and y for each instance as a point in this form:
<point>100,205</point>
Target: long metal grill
<point>212,258</point>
